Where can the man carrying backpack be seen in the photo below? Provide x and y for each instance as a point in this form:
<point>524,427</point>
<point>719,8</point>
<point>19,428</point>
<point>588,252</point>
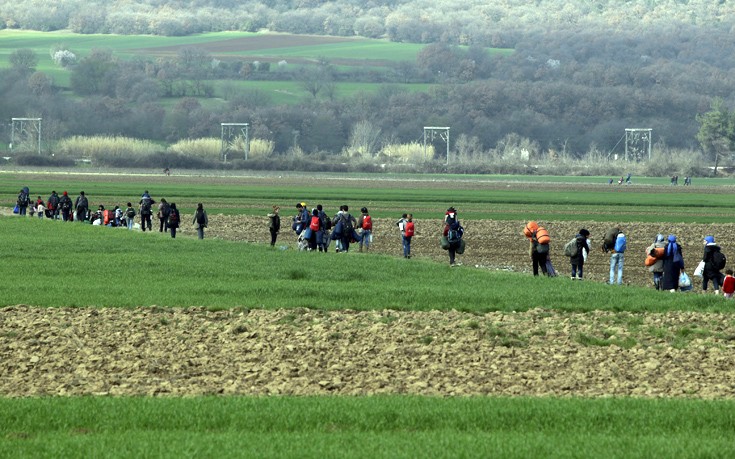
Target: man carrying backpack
<point>163,212</point>
<point>173,220</point>
<point>348,229</point>
<point>714,263</point>
<point>24,200</point>
<point>617,258</point>
<point>146,204</point>
<point>365,223</point>
<point>453,231</point>
<point>81,206</point>
<point>53,205</point>
<point>577,253</point>
<point>65,204</point>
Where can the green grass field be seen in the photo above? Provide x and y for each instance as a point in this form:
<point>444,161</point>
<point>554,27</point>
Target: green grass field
<point>383,427</point>
<point>37,253</point>
<point>493,197</point>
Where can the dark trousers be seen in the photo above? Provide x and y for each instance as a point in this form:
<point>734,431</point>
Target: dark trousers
<point>539,259</point>
<point>162,226</point>
<point>274,235</point>
<point>173,232</point>
<point>145,220</point>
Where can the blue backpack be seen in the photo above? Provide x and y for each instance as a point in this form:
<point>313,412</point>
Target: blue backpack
<point>455,232</point>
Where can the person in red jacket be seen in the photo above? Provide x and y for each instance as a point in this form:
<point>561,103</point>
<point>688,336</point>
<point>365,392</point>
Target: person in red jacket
<point>728,285</point>
<point>365,224</point>
<point>408,231</point>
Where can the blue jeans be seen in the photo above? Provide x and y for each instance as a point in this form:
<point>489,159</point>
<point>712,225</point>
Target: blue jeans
<point>407,246</point>
<point>578,269</point>
<point>366,234</point>
<point>131,222</point>
<point>616,259</point>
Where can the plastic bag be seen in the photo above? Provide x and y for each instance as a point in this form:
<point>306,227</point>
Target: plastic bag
<point>16,209</point>
<point>685,283</point>
<point>699,271</point>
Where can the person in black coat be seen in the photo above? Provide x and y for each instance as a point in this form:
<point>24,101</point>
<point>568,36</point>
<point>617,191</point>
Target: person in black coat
<point>673,264</point>
<point>583,249</point>
<point>711,272</point>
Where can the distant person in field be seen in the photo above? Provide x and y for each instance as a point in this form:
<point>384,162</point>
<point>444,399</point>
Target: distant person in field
<point>713,263</point>
<point>337,229</point>
<point>365,224</point>
<point>401,224</point>
<point>408,232</point>
<point>728,284</point>
<point>539,252</point>
<point>274,224</point>
<point>657,268</point>
<point>627,179</point>
<point>53,205</point>
<point>617,258</point>
<point>81,206</point>
<point>580,256</point>
<point>164,209</point>
<point>453,231</point>
<point>130,216</point>
<point>174,218</point>
<point>201,220</point>
<point>24,201</point>
<point>673,264</point>
<point>66,206</point>
<point>348,229</point>
<point>40,208</point>
<point>146,206</point>
<point>326,226</point>
<point>315,227</point>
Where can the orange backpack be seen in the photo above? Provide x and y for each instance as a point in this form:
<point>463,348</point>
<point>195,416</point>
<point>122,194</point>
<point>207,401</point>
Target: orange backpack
<point>530,228</point>
<point>315,223</point>
<point>367,223</point>
<point>542,236</point>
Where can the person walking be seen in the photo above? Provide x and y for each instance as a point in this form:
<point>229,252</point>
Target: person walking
<point>40,208</point>
<point>274,224</point>
<point>146,205</point>
<point>200,220</point>
<point>713,262</point>
<point>401,224</point>
<point>130,216</point>
<point>617,259</point>
<point>315,231</point>
<point>53,205</point>
<point>408,232</point>
<point>24,200</point>
<point>173,219</point>
<point>453,231</point>
<point>66,206</point>
<point>673,264</point>
<point>538,251</point>
<point>348,229</point>
<point>365,223</point>
<point>579,257</point>
<point>81,207</point>
<point>163,211</point>
<point>657,268</point>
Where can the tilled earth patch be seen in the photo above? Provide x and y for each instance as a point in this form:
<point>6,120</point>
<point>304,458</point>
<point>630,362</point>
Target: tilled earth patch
<point>195,351</point>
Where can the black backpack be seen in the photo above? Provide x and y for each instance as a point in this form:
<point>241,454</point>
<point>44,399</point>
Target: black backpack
<point>173,216</point>
<point>719,260</point>
<point>326,222</point>
<point>83,203</point>
<point>454,234</point>
<point>23,200</point>
<point>347,223</point>
<point>200,219</point>
<point>145,206</point>
<point>131,212</point>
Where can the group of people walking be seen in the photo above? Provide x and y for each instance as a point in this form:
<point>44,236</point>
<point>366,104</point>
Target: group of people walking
<point>664,259</point>
<point>315,230</point>
<point>63,208</point>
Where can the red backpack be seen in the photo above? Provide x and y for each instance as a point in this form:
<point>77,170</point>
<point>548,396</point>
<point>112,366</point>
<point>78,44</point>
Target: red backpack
<point>409,229</point>
<point>367,223</point>
<point>315,223</point>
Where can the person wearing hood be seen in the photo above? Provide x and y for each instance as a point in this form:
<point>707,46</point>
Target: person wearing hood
<point>711,271</point>
<point>673,264</point>
<point>65,205</point>
<point>658,267</point>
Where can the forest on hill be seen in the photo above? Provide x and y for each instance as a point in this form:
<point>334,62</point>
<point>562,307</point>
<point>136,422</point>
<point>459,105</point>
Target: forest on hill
<point>580,72</point>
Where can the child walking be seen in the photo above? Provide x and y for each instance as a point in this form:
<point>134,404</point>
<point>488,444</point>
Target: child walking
<point>728,285</point>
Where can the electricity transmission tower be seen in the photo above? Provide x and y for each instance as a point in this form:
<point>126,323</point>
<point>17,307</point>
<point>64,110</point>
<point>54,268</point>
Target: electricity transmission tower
<point>442,132</point>
<point>637,144</point>
<point>27,131</point>
<point>232,134</point>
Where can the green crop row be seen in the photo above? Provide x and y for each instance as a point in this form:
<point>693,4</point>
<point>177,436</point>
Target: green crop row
<point>372,427</point>
<point>478,199</point>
